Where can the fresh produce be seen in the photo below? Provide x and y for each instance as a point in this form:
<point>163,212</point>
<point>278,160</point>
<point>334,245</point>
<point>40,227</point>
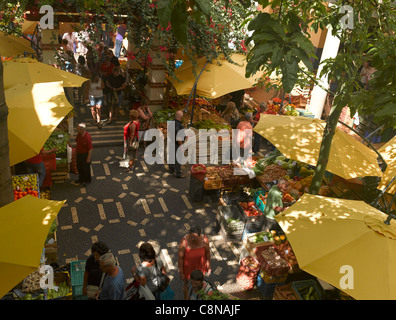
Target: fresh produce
<point>285,293</point>
<point>61,291</point>
<point>273,262</point>
<point>250,209</point>
<point>261,237</point>
<point>28,296</point>
<point>287,197</point>
<point>272,172</point>
<point>210,124</point>
<point>308,292</point>
<point>32,282</point>
<point>23,185</point>
<point>59,140</point>
<point>287,253</point>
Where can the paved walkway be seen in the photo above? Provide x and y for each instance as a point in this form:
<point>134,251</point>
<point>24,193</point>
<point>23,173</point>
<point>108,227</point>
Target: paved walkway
<point>123,209</point>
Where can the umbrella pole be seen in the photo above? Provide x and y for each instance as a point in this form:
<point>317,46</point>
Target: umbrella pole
<point>193,105</point>
<point>281,105</point>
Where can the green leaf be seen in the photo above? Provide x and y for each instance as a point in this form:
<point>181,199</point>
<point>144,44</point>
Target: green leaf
<point>302,55</point>
<point>204,6</point>
<point>164,12</point>
<point>179,22</point>
<point>260,21</point>
<point>289,69</point>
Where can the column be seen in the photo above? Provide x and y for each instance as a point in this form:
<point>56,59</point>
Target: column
<point>155,88</point>
<point>318,95</point>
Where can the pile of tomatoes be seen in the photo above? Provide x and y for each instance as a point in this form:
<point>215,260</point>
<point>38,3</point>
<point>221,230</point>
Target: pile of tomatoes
<point>21,193</point>
<point>250,209</point>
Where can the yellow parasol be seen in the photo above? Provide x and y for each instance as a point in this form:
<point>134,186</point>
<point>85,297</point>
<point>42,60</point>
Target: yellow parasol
<point>11,45</point>
<point>218,78</point>
<point>345,243</point>
<point>299,138</point>
<point>34,71</point>
<point>35,110</point>
<point>24,226</point>
<point>388,152</point>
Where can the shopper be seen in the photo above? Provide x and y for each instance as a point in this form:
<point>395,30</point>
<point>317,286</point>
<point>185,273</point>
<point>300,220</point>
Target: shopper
<point>93,275</point>
<point>96,96</point>
<point>83,153</point>
<point>114,282</point>
<point>83,71</point>
<point>131,134</point>
<point>36,165</point>
<point>244,136</point>
<point>194,254</point>
<point>113,59</point>
<point>121,30</point>
<point>274,204</point>
<point>115,83</point>
<point>231,114</point>
<point>197,285</point>
<point>150,266</point>
<point>175,165</point>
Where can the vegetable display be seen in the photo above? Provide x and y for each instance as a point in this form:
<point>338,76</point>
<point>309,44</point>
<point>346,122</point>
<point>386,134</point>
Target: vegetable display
<point>61,291</point>
<point>23,185</point>
<point>249,208</point>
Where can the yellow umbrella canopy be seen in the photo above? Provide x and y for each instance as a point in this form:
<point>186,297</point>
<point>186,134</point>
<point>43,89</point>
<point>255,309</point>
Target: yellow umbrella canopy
<point>34,71</point>
<point>35,110</point>
<point>218,78</point>
<point>388,152</point>
<point>299,138</point>
<point>24,226</point>
<point>11,45</point>
<point>345,243</point>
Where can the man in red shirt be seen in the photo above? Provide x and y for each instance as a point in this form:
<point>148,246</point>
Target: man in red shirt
<point>83,152</point>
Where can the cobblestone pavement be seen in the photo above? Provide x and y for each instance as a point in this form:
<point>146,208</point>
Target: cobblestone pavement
<point>123,209</point>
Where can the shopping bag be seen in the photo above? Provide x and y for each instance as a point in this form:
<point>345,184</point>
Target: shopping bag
<point>145,293</point>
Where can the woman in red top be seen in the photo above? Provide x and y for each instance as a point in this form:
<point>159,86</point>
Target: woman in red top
<point>194,254</point>
<point>131,130</point>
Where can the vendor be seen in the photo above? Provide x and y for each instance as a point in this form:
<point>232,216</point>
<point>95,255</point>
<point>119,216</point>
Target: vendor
<point>36,165</point>
<point>274,204</point>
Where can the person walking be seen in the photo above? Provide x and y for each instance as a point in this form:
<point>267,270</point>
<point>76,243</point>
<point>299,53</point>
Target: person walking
<point>149,268</point>
<point>194,254</point>
<point>115,83</point>
<point>93,275</point>
<point>176,166</point>
<point>83,154</point>
<point>231,114</point>
<point>121,30</point>
<point>96,96</point>
<point>83,71</point>
<point>131,139</point>
<point>114,282</point>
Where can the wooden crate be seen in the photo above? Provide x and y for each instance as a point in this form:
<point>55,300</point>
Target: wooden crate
<point>251,245</point>
<point>287,288</point>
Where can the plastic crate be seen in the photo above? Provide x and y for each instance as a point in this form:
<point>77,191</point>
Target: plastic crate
<point>267,290</point>
<point>233,229</point>
<point>77,269</point>
<point>199,173</point>
<point>259,203</point>
<point>272,279</point>
<point>78,294</point>
<point>253,223</point>
<point>212,184</point>
<point>298,285</point>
